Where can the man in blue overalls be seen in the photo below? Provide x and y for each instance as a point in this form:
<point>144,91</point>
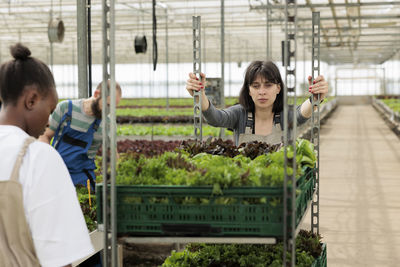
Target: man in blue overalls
<point>75,126</point>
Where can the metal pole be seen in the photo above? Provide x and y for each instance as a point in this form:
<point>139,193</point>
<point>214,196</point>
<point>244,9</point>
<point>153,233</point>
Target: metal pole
<point>304,66</point>
<point>384,81</point>
<point>336,83</point>
<point>198,128</point>
<point>89,47</point>
<point>268,14</point>
<point>166,54</point>
<point>398,82</point>
<point>82,48</point>
<point>51,43</point>
<point>204,50</point>
<point>315,118</point>
<point>376,82</point>
<point>352,82</point>
<point>151,82</point>
<point>48,55</point>
<point>51,56</point>
<point>73,63</point>
<point>368,84</point>
<point>109,134</point>
<point>106,141</point>
<point>222,53</point>
<point>267,26</point>
<point>155,49</point>
<point>230,65</point>
<point>113,142</point>
<point>141,75</point>
<point>393,74</point>
<point>222,87</point>
<point>289,135</point>
<point>378,86</point>
<point>178,60</point>
<point>247,51</point>
<point>270,33</point>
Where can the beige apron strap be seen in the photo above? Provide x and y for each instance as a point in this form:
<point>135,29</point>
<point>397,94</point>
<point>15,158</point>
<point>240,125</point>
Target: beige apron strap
<point>249,123</point>
<point>277,120</point>
<point>20,156</point>
<point>16,244</point>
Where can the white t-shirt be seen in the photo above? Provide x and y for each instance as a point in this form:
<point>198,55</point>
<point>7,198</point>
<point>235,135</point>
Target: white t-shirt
<point>51,206</point>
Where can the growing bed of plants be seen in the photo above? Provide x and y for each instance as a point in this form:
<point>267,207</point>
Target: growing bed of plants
<point>144,148</point>
<point>167,130</point>
<point>309,252</point>
<point>387,96</point>
<point>392,103</point>
<point>138,112</point>
<point>187,101</point>
<point>158,114</point>
<point>150,111</point>
<point>175,102</point>
<point>155,119</point>
<point>213,155</point>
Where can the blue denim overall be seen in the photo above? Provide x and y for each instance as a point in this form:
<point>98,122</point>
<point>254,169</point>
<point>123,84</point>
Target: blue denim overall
<point>73,146</point>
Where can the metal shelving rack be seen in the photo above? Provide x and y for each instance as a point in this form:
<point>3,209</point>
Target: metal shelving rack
<point>110,257</point>
<point>289,131</point>
<point>198,136</point>
<point>315,118</point>
<point>109,140</point>
<point>198,127</point>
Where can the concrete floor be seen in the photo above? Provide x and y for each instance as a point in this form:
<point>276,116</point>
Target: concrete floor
<point>360,189</point>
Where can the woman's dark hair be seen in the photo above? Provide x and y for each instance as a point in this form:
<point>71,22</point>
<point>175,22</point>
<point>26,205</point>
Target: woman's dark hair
<point>270,72</point>
<point>22,71</point>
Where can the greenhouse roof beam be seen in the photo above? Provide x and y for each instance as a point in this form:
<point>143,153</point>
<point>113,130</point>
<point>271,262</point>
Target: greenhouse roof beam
<point>337,24</point>
<point>328,5</point>
<point>322,28</point>
<point>363,41</point>
<point>364,17</point>
<point>346,28</point>
<point>361,35</point>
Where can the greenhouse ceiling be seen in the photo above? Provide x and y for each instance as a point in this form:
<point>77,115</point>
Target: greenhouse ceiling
<point>352,31</point>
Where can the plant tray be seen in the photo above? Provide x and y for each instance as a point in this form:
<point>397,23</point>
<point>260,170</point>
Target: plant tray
<point>321,261</point>
<point>195,211</point>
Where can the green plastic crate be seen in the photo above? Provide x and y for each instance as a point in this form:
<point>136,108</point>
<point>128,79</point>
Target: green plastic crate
<point>159,211</point>
<point>322,260</point>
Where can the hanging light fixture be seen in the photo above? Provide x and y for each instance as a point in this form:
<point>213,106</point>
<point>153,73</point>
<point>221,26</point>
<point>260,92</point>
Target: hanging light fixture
<point>56,31</point>
<point>140,44</point>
